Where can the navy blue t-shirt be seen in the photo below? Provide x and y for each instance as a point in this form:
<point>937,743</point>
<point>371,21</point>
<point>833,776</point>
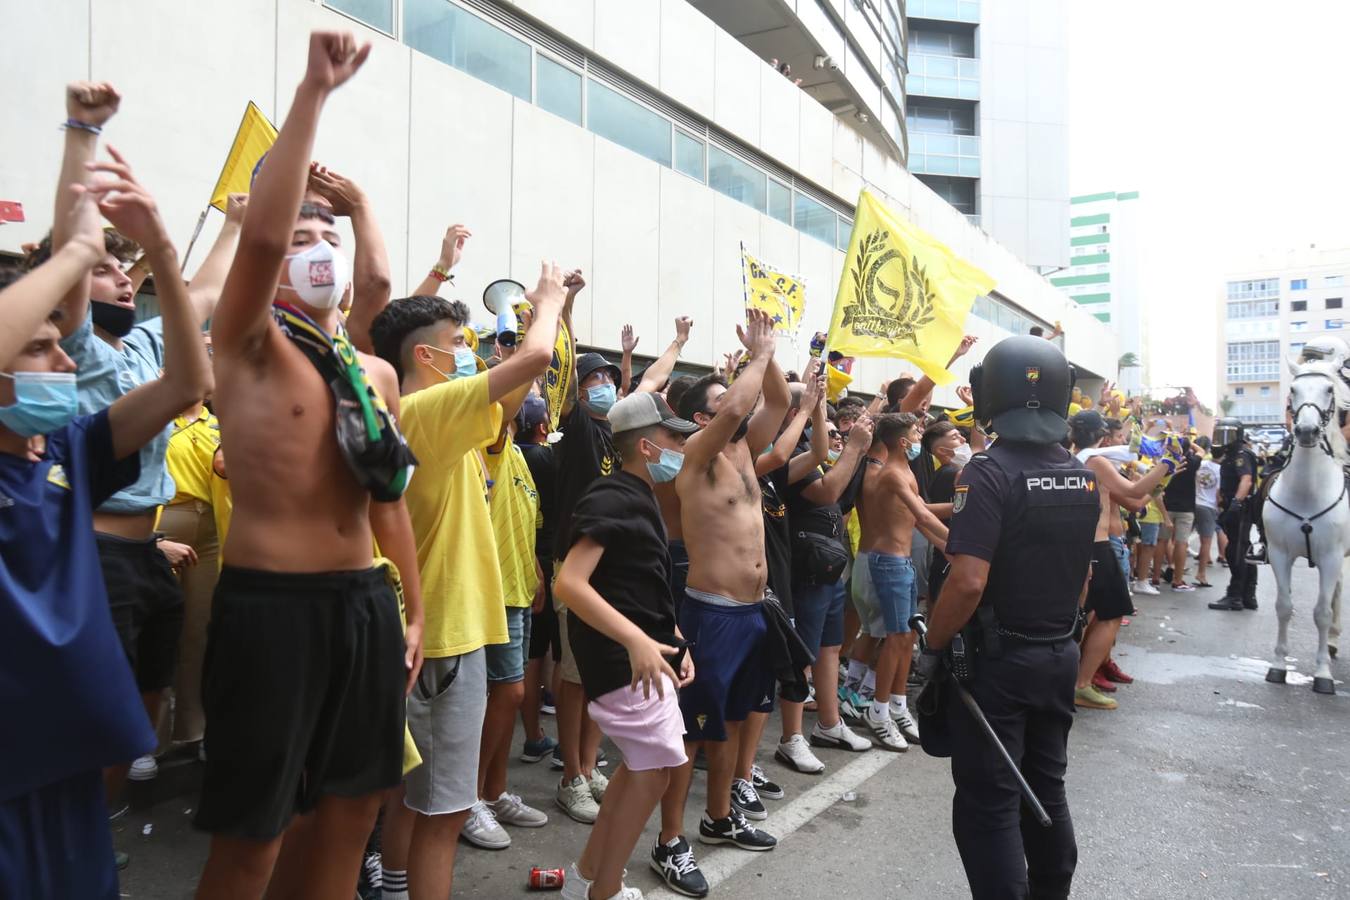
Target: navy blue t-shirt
<point>67,696</point>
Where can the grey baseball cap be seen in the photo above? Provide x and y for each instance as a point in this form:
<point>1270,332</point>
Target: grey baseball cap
<point>643,410</point>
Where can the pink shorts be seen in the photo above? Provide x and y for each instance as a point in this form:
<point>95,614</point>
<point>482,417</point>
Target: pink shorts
<point>648,732</point>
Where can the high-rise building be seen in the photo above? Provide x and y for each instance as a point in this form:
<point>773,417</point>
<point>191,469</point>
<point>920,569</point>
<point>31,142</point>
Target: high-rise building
<point>1103,275</point>
<point>987,113</point>
<point>1269,311</point>
<point>644,141</point>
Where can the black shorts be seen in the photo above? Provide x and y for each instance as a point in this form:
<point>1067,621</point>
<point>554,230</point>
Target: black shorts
<point>1108,592</point>
<point>302,687</point>
<point>544,636</point>
<point>146,601</point>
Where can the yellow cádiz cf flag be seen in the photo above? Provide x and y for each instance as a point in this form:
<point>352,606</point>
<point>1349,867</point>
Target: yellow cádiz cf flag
<point>251,143</point>
<point>559,374</point>
<point>903,293</point>
<point>781,296</point>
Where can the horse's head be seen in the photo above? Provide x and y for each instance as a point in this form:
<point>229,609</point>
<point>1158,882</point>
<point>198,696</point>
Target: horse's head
<point>1312,402</point>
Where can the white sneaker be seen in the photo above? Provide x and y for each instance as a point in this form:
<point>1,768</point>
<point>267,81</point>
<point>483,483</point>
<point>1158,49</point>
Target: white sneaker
<point>575,799</point>
<point>796,754</point>
<point>510,810</point>
<point>1143,587</point>
<point>598,784</point>
<point>481,829</point>
<point>905,722</point>
<point>886,731</point>
<point>840,736</point>
<point>143,769</point>
<point>574,886</point>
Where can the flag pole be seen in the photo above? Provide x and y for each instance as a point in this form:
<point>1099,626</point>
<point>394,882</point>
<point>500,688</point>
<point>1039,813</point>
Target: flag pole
<point>196,233</point>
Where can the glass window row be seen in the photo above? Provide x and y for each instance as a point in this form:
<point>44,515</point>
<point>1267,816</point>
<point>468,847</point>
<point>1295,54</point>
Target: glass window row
<point>1252,290</point>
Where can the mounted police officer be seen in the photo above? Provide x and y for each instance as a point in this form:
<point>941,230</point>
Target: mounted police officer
<point>1022,530</point>
<point>1237,480</point>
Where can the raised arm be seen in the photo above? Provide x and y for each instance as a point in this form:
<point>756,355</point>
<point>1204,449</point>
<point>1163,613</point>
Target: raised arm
<point>829,488</point>
<point>89,106</point>
<point>205,286</point>
<point>757,336</point>
<point>764,424</point>
<point>242,316</point>
<point>452,248</point>
<point>137,417</point>
<point>658,373</point>
<point>574,282</point>
<point>786,442</point>
<point>29,302</point>
<point>531,358</point>
<point>1120,487</point>
<point>923,388</point>
<point>371,284</point>
<point>628,341</point>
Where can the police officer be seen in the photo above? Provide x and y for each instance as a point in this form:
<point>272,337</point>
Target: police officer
<point>1022,528</point>
<point>1237,479</point>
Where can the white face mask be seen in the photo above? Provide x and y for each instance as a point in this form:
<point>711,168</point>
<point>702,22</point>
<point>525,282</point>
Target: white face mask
<point>319,275</point>
<point>961,455</point>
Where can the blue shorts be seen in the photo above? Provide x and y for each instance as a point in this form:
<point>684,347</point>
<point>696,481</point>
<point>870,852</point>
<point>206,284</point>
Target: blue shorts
<point>55,842</point>
<point>1122,553</point>
<point>1148,533</point>
<point>819,618</point>
<point>886,590</point>
<point>506,662</point>
<point>732,677</point>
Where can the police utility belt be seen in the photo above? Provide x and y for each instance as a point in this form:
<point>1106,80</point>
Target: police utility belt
<point>984,636</point>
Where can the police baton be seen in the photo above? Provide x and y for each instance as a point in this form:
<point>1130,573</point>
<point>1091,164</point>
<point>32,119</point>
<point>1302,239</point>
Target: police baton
<point>918,625</point>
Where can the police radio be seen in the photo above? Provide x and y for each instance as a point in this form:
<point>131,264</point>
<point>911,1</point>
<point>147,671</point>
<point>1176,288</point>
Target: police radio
<point>959,661</point>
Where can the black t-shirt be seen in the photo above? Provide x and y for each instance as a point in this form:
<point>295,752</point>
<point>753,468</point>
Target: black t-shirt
<point>1231,470</point>
<point>942,487</point>
<point>1179,495</point>
<point>982,492</point>
<point>922,467</point>
<point>544,470</point>
<point>777,535</point>
<point>804,515</point>
<point>621,514</point>
<point>585,453</point>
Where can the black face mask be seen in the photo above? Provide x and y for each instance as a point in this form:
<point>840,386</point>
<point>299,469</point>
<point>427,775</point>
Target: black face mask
<point>114,319</point>
<point>741,429</point>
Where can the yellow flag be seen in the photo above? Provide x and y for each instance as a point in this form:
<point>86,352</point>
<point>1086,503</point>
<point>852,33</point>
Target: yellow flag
<point>903,293</point>
<point>781,296</point>
<point>559,374</point>
<point>251,143</point>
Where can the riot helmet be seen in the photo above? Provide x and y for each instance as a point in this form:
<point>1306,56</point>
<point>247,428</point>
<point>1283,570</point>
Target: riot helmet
<point>1021,390</point>
<point>1228,432</point>
<point>1325,349</point>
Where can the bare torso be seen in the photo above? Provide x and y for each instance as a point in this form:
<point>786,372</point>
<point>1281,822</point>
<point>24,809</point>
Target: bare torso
<point>1109,521</point>
<point>723,526</point>
<point>297,507</point>
<point>669,500</point>
<point>886,522</point>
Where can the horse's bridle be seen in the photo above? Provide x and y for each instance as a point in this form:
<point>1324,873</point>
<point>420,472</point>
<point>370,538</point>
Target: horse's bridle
<point>1323,415</point>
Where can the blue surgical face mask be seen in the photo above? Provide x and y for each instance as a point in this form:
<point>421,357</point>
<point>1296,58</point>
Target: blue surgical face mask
<point>668,467</point>
<point>912,452</point>
<point>601,397</point>
<point>43,402</point>
<point>466,362</point>
<point>833,455</point>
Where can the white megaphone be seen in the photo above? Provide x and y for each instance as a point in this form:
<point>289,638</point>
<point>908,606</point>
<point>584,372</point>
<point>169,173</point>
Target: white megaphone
<point>503,298</point>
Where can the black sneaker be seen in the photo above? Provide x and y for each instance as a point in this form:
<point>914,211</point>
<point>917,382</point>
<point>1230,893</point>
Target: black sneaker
<point>1232,604</point>
<point>766,789</point>
<point>1167,574</point>
<point>370,883</point>
<point>745,800</point>
<point>736,831</point>
<point>674,862</point>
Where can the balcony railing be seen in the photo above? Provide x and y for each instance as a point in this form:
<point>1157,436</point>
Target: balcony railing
<point>931,75</point>
<point>946,10</point>
<point>944,154</point>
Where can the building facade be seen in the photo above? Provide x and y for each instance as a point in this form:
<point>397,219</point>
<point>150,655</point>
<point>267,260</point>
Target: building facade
<point>635,139</point>
<point>1269,312</point>
<point>1103,274</point>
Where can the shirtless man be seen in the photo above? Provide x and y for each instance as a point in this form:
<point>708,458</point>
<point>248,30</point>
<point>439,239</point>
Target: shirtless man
<point>889,509</point>
<point>1108,597</point>
<point>308,664</point>
<point>723,527</point>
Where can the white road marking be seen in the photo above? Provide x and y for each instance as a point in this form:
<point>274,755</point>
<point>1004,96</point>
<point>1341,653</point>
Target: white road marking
<point>719,865</point>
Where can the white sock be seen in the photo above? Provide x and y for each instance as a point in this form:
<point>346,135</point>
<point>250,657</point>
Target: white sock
<point>869,681</point>
<point>879,709</point>
<point>856,670</point>
<point>900,700</point>
<point>395,884</point>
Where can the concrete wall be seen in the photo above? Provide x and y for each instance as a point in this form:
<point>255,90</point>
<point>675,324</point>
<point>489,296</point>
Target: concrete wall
<point>433,145</point>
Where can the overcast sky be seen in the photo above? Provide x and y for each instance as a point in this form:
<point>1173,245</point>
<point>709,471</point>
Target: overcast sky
<point>1230,119</point>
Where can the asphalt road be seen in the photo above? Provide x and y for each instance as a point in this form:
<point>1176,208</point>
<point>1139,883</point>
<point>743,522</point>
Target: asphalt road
<point>1207,782</point>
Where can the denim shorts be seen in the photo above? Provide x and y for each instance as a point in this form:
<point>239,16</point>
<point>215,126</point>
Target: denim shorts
<point>1122,553</point>
<point>1148,533</point>
<point>506,662</point>
<point>885,589</point>
<point>819,618</point>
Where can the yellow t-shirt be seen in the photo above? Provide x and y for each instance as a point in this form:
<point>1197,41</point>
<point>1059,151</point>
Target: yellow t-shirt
<point>190,458</point>
<point>1153,514</point>
<point>445,425</point>
<point>515,510</point>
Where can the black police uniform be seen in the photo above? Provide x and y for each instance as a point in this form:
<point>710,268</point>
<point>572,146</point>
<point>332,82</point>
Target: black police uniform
<point>1237,525</point>
<point>1030,510</point>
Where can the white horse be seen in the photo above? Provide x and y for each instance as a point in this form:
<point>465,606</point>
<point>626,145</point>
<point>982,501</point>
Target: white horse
<point>1307,513</point>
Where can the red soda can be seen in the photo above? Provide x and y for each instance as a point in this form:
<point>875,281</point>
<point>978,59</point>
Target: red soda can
<point>546,879</point>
